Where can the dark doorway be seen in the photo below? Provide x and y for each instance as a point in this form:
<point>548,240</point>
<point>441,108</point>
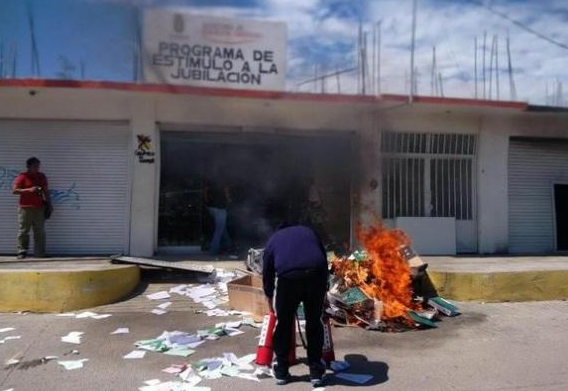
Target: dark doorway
<point>561,204</point>
<point>269,176</point>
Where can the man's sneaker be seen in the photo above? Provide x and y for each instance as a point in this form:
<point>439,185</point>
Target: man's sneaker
<point>282,381</point>
<point>281,375</point>
<point>21,255</point>
<point>316,376</point>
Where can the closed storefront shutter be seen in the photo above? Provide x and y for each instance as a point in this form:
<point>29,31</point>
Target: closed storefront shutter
<point>534,166</point>
<point>87,167</point>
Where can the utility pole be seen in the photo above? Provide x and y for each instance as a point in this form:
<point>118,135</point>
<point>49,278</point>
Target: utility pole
<point>82,69</point>
<point>338,81</point>
<point>441,84</point>
<point>512,87</point>
<point>475,65</point>
<point>36,70</point>
<point>14,60</point>
<point>323,81</point>
<point>484,66</point>
<point>359,49</point>
<point>2,60</point>
<point>497,71</point>
<point>491,68</point>
<point>434,73</point>
<point>379,27</point>
<point>412,42</point>
<point>364,60</point>
<point>316,78</point>
<point>374,61</point>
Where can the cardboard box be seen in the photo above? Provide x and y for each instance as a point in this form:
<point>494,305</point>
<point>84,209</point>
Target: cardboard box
<point>246,294</point>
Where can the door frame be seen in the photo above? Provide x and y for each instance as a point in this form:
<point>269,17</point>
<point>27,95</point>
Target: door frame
<point>562,181</point>
<point>193,128</point>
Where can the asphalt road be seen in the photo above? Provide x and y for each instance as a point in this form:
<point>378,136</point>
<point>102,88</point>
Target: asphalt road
<point>509,346</point>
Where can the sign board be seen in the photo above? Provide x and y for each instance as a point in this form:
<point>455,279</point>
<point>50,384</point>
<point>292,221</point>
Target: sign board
<point>181,48</point>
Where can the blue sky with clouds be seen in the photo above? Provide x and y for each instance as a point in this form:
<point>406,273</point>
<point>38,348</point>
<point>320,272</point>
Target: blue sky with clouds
<point>321,33</point>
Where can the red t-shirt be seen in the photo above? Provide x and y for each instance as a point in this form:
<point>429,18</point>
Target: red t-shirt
<point>26,180</point>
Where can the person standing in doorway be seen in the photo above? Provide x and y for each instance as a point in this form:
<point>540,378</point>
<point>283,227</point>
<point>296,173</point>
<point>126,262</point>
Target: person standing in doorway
<point>217,199</point>
<point>294,271</point>
<point>34,208</point>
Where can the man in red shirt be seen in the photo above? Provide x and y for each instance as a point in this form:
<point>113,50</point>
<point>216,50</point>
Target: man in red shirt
<point>31,186</point>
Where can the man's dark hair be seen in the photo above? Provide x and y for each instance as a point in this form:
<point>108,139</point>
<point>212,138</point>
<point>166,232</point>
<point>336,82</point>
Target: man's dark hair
<point>31,161</point>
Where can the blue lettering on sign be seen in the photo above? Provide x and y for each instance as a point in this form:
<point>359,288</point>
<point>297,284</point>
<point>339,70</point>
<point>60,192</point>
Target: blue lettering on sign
<point>69,197</point>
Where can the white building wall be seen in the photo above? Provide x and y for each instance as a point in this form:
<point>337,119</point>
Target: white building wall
<point>145,109</point>
<point>143,220</point>
<point>492,201</point>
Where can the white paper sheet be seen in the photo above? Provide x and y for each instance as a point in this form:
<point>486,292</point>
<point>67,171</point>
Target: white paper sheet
<point>101,316</point>
<point>158,311</point>
<point>6,329</point>
<point>86,314</point>
<point>121,330</point>
<point>338,366</point>
<point>354,377</point>
<point>135,354</point>
<point>73,364</point>
<point>165,305</point>
<point>159,295</point>
<point>73,337</point>
<point>233,332</point>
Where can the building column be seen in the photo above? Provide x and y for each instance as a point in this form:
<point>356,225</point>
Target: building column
<point>367,205</point>
<point>143,219</point>
<point>492,186</point>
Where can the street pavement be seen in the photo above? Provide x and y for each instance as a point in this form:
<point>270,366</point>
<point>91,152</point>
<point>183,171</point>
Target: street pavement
<point>508,346</point>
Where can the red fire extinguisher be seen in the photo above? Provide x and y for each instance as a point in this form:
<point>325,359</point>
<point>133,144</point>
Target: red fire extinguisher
<point>265,350</point>
<point>328,353</point>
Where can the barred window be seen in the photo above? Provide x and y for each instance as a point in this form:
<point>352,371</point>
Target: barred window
<point>428,174</point>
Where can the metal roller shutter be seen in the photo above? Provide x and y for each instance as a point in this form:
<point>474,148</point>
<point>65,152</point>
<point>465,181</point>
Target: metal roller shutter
<point>534,165</point>
<point>87,167</point>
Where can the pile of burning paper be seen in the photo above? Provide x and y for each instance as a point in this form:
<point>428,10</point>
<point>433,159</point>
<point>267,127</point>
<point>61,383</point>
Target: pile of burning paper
<point>382,287</point>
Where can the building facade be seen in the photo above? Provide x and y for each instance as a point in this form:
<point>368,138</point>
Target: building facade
<point>127,165</point>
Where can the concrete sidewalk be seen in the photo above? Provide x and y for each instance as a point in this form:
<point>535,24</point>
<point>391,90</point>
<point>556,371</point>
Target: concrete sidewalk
<point>496,264</point>
<point>510,346</point>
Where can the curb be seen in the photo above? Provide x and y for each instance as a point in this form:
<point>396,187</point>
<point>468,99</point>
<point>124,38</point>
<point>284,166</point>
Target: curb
<point>502,286</point>
<point>65,290</point>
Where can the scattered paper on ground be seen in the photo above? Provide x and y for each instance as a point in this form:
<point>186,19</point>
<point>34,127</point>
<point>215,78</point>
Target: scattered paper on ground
<point>2,341</point>
<point>101,316</point>
<point>354,377</point>
<point>158,311</point>
<point>159,295</point>
<point>6,329</point>
<point>73,337</point>
<point>86,314</point>
<point>122,330</point>
<point>165,305</point>
<point>135,354</point>
<point>338,366</point>
<point>73,364</point>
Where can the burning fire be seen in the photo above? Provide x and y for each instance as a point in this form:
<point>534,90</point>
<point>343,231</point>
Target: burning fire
<point>384,274</point>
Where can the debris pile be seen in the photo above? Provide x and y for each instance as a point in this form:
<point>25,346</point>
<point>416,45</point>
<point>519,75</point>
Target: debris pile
<point>374,288</point>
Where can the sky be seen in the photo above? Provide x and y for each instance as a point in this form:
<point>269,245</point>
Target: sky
<point>322,34</point>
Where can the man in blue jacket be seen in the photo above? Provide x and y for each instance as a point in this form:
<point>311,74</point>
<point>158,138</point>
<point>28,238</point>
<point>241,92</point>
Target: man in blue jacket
<point>295,270</point>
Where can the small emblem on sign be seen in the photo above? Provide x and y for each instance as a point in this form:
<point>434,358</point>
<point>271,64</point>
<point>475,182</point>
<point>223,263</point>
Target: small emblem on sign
<point>178,23</point>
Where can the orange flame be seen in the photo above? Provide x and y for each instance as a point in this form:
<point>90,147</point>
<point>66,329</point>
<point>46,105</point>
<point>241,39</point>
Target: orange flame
<point>385,274</point>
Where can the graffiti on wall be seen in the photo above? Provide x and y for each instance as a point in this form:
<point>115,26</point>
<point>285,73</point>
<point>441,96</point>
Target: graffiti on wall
<point>69,196</point>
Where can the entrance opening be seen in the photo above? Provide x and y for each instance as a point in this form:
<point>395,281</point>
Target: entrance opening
<point>267,179</point>
<point>561,206</point>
